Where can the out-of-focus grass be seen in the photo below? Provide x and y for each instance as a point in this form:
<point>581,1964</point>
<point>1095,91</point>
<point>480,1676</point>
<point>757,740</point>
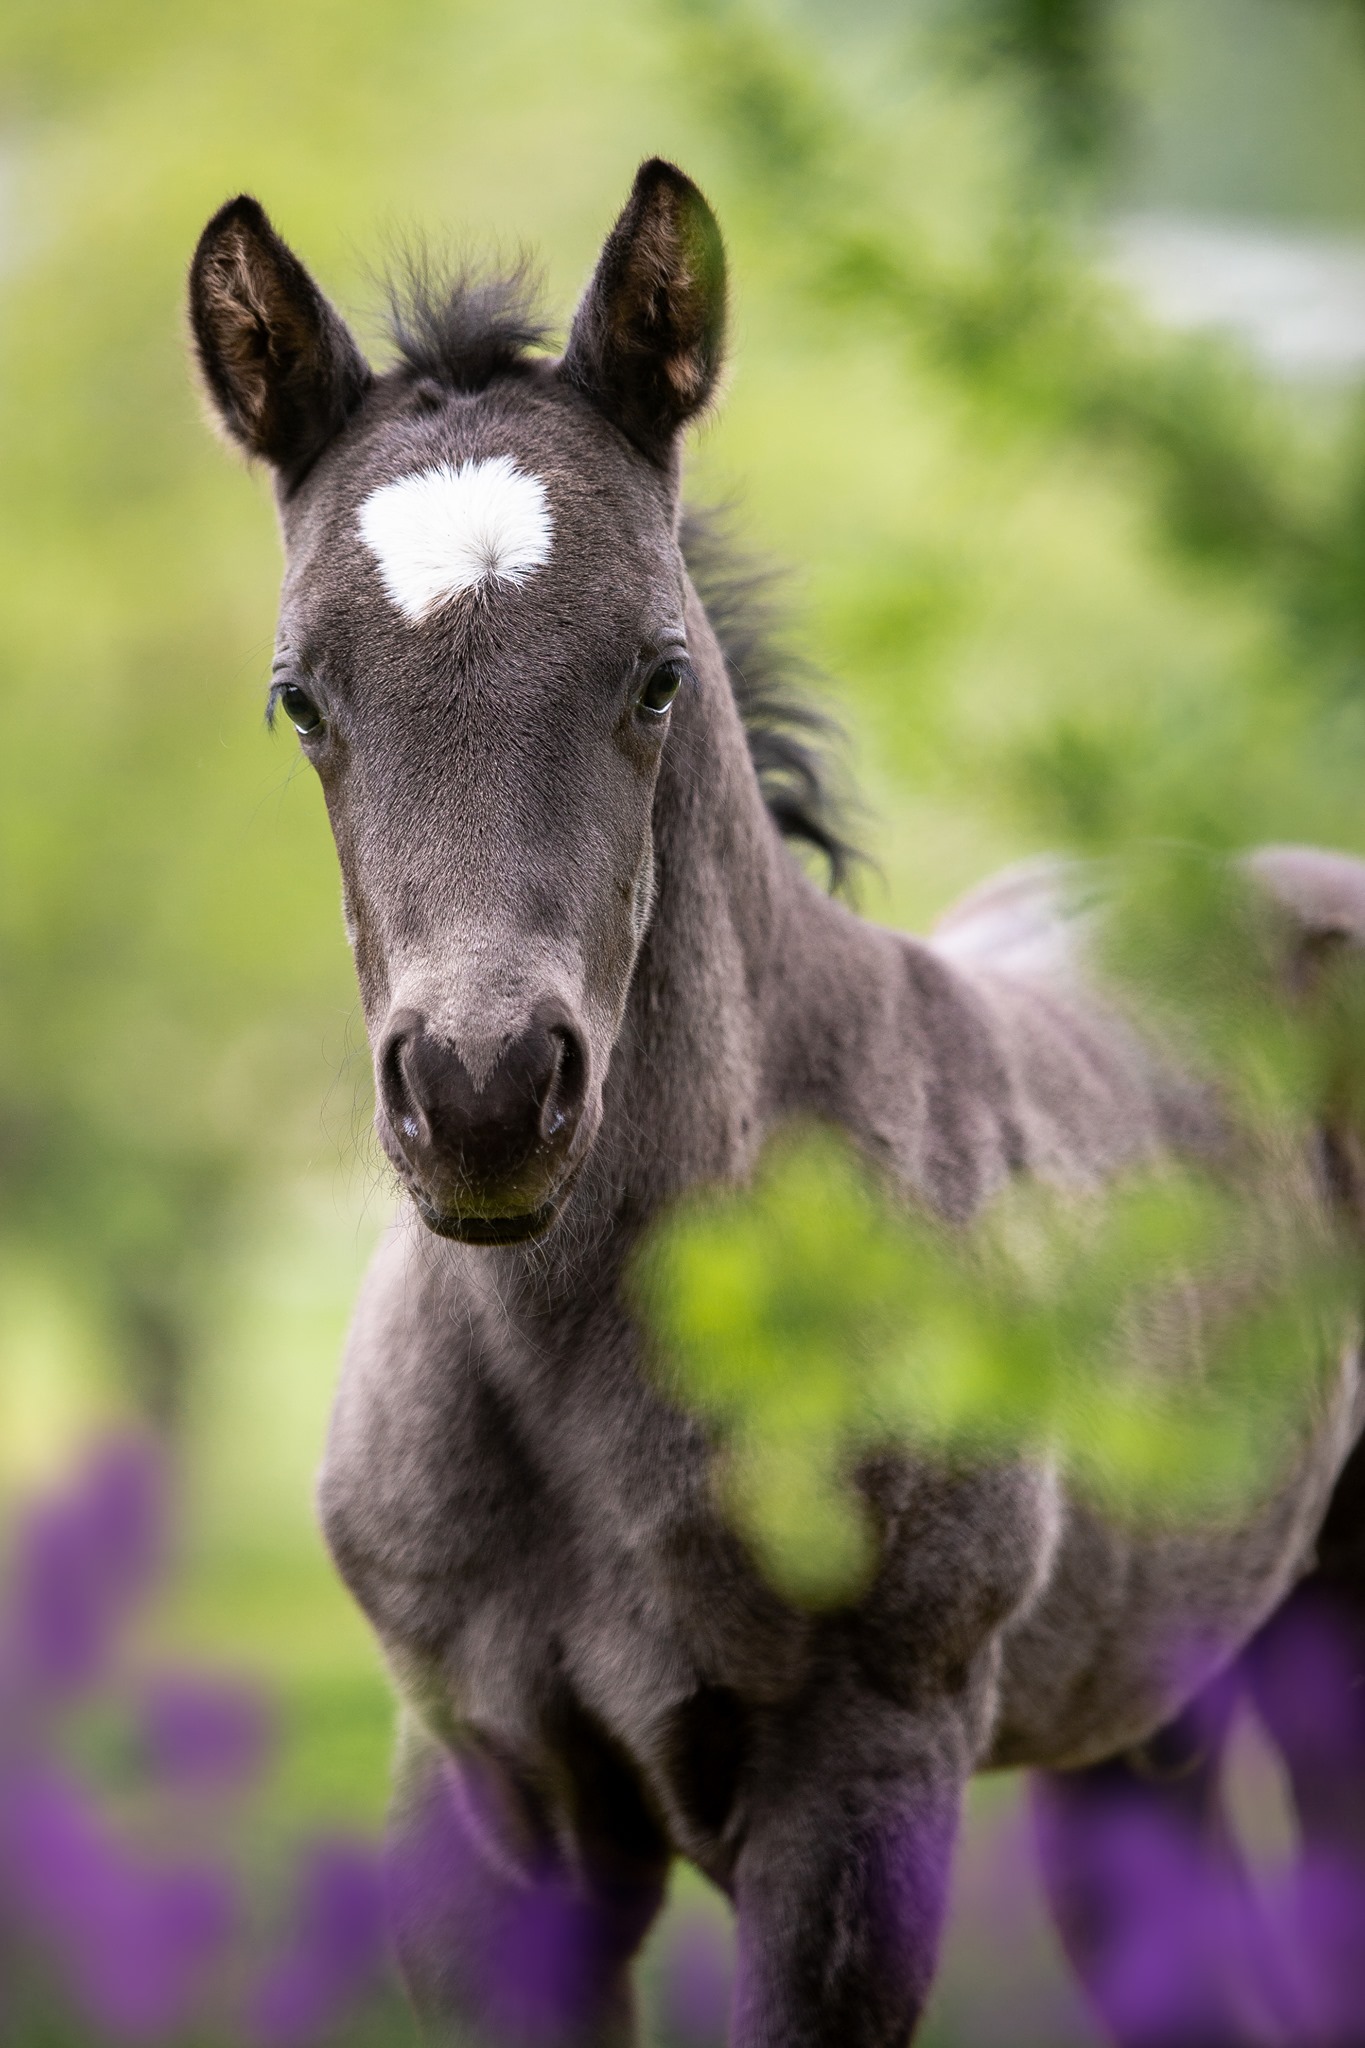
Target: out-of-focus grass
<point>256,1584</point>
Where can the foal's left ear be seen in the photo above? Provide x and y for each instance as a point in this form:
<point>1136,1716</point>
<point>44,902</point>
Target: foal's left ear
<point>645,345</point>
<point>280,365</point>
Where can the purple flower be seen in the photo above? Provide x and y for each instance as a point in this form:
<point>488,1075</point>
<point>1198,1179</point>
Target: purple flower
<point>336,1954</point>
<point>134,1944</point>
<point>1184,1924</point>
<point>1307,1674</point>
<point>82,1565</point>
<point>542,1968</point>
<point>543,1959</point>
<point>124,1497</point>
<point>140,1949</point>
<point>205,1733</point>
<point>1320,1910</point>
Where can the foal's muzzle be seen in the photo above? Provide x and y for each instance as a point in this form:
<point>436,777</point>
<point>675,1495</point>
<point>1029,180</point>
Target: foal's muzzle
<point>487,1160</point>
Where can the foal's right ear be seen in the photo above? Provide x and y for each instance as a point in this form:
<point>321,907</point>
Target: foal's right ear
<point>281,367</point>
<point>646,341</point>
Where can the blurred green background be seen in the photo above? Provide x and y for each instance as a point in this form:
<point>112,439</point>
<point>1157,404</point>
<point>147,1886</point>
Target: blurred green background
<point>1076,579</point>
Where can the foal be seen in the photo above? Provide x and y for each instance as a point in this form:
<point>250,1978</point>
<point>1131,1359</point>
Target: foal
<point>594,977</point>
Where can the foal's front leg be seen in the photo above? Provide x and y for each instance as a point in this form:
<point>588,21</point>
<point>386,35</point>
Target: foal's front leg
<point>842,1880</point>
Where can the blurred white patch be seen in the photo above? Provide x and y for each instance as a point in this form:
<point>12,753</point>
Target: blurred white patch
<point>448,529</point>
<point>1295,300</point>
<point>1026,920</point>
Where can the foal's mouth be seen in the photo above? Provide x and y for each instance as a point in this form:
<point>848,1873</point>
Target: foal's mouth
<point>466,1226</point>
<point>466,1229</point>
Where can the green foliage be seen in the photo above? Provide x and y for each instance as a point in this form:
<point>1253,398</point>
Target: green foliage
<point>1160,1338</point>
<point>1062,49</point>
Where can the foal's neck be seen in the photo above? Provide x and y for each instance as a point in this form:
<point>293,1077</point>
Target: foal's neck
<point>756,999</point>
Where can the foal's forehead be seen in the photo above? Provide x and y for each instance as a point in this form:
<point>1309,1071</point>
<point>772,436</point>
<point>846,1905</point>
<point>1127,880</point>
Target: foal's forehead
<point>505,495</point>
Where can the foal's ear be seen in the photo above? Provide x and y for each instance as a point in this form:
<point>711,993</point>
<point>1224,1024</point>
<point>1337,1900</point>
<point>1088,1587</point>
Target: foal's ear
<point>280,365</point>
<point>645,344</point>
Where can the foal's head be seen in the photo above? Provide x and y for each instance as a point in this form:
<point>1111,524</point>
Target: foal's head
<point>481,636</point>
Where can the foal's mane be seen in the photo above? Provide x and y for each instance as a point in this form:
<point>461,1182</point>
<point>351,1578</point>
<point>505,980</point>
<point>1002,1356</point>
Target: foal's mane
<point>792,742</point>
<point>466,328</point>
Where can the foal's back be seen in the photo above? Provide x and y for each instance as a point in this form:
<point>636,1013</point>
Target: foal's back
<point>1133,1605</point>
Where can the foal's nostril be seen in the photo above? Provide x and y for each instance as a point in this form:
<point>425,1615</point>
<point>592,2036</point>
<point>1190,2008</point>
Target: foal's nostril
<point>396,1095</point>
<point>563,1097</point>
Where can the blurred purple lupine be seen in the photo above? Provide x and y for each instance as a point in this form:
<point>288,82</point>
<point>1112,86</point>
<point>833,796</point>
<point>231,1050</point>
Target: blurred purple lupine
<point>1319,1912</point>
<point>542,1968</point>
<point>142,1947</point>
<point>83,1562</point>
<point>205,1734</point>
<point>134,1943</point>
<point>1185,1938</point>
<point>539,1970</point>
<point>335,1953</point>
<point>1309,1680</point>
<point>1185,1924</point>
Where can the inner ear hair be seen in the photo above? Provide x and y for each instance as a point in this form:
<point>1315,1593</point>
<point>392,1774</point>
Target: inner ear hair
<point>280,365</point>
<point>647,339</point>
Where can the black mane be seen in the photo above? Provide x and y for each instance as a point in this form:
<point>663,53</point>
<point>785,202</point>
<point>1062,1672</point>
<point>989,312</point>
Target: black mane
<point>791,741</point>
<point>463,331</point>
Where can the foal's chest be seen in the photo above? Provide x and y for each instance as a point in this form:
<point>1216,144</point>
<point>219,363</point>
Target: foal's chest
<point>510,1526</point>
<point>515,1524</point>
<point>523,1525</point>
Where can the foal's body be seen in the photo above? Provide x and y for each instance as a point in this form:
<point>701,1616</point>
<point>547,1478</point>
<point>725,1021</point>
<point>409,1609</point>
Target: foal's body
<point>533,1529</point>
<point>595,1676</point>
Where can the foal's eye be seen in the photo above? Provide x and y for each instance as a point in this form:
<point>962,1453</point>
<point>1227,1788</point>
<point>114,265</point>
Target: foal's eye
<point>660,687</point>
<point>299,708</point>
